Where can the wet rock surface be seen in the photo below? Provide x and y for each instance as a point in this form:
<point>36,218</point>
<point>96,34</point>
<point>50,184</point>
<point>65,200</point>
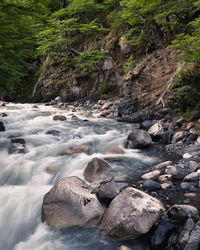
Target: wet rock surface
<point>77,149</point>
<point>18,145</point>
<point>59,118</point>
<point>2,127</point>
<point>180,213</point>
<point>131,214</point>
<point>139,138</point>
<point>70,203</point>
<point>95,168</point>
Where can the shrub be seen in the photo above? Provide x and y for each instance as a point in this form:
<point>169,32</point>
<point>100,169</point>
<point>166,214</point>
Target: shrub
<point>187,95</point>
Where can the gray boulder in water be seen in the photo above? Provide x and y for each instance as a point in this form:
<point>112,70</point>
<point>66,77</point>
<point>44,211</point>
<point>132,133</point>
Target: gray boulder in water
<point>131,214</point>
<point>139,138</point>
<point>95,168</point>
<point>70,203</point>
<point>2,127</point>
<point>18,145</point>
<point>59,118</point>
<point>76,149</point>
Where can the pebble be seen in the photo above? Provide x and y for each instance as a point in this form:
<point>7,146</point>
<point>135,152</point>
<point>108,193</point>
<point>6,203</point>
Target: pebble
<point>192,177</point>
<point>187,156</point>
<point>162,165</point>
<point>188,185</point>
<point>170,170</point>
<point>151,185</point>
<point>166,185</point>
<point>164,177</point>
<point>151,175</point>
<point>193,165</point>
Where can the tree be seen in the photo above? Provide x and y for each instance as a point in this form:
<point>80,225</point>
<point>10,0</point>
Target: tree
<point>18,22</point>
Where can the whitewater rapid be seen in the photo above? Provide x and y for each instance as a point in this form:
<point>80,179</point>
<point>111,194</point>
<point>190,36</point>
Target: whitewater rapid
<point>24,179</point>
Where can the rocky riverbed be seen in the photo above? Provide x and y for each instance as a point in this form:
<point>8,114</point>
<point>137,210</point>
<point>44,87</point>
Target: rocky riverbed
<point>109,189</point>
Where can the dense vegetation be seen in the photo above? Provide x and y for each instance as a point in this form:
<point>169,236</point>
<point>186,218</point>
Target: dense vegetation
<point>33,30</point>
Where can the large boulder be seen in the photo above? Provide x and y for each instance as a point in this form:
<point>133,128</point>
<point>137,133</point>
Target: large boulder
<point>70,203</point>
<point>139,138</point>
<point>95,168</point>
<point>131,214</point>
<point>77,149</point>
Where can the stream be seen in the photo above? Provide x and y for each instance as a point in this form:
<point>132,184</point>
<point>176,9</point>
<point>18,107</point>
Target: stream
<point>24,179</point>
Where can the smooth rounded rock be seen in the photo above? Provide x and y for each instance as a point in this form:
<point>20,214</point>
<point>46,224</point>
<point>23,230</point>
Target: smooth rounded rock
<point>165,177</point>
<point>188,185</point>
<point>95,168</point>
<point>156,130</point>
<point>113,149</point>
<point>77,149</point>
<point>193,165</point>
<point>107,192</point>
<point>74,118</point>
<point>178,136</point>
<point>153,175</point>
<point>162,165</point>
<point>70,203</point>
<point>139,138</point>
<point>166,185</point>
<point>170,170</point>
<point>187,156</point>
<point>131,214</point>
<point>151,185</point>
<point>53,169</point>
<point>59,118</point>
<point>180,173</point>
<point>192,177</point>
<point>180,213</point>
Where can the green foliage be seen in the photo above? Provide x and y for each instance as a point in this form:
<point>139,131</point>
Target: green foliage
<point>187,73</point>
<point>129,64</point>
<point>18,21</point>
<point>88,59</point>
<point>187,95</point>
<point>105,88</point>
<point>32,30</point>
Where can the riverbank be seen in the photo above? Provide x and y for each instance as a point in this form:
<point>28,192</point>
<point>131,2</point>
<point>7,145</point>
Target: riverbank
<point>168,182</point>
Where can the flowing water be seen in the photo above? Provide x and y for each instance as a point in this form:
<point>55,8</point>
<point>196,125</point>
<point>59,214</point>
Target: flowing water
<point>24,179</point>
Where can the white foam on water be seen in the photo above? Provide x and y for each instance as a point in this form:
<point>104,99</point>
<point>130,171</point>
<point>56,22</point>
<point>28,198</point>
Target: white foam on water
<point>24,178</point>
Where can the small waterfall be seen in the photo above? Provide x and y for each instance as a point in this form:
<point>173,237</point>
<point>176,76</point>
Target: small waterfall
<point>36,84</point>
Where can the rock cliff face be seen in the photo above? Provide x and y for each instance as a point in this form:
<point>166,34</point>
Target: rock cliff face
<point>144,81</point>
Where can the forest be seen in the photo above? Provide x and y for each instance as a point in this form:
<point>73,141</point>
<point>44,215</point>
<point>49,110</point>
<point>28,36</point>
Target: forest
<point>35,31</point>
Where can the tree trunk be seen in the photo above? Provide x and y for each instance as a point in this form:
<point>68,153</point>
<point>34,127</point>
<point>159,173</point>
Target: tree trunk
<point>62,4</point>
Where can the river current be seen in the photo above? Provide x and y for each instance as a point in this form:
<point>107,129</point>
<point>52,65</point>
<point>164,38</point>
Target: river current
<point>24,179</point>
